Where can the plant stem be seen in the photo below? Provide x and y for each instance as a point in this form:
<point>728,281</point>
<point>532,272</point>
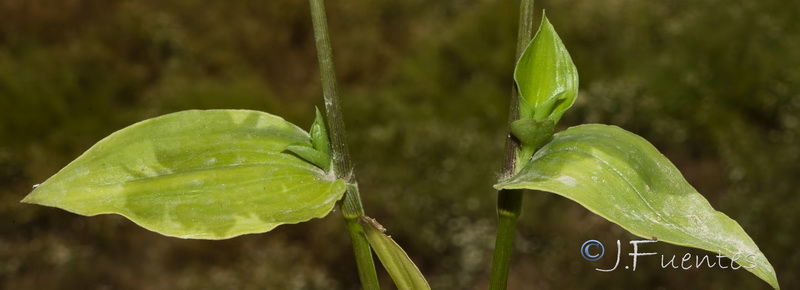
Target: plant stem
<point>508,209</point>
<point>509,202</point>
<point>351,202</point>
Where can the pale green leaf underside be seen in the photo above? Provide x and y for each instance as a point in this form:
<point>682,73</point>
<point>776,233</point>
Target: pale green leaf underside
<point>195,174</point>
<point>404,273</point>
<point>623,178</point>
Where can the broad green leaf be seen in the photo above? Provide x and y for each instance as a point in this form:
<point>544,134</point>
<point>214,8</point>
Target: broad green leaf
<point>623,178</point>
<point>197,174</point>
<point>546,77</point>
<point>404,273</point>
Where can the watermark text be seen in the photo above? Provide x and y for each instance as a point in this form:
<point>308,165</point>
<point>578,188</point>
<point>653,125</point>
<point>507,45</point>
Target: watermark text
<point>593,250</point>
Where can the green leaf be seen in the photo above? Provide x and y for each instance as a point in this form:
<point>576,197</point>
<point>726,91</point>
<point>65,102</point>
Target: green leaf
<point>623,178</point>
<point>197,174</point>
<point>404,273</point>
<point>546,77</point>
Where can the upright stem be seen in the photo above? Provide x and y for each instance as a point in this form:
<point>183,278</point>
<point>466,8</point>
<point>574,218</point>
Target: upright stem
<point>509,202</point>
<point>351,202</point>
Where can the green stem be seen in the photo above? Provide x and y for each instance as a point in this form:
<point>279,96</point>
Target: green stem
<point>351,202</point>
<point>508,209</point>
<point>509,202</point>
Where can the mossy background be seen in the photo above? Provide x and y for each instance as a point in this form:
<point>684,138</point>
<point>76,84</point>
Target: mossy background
<point>713,84</point>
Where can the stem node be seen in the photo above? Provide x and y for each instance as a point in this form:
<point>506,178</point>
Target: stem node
<point>351,202</point>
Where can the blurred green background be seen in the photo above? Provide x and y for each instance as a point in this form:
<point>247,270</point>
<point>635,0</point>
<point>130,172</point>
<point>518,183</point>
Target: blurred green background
<point>713,84</point>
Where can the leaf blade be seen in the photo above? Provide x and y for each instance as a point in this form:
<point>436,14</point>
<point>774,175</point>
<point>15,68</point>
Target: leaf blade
<point>196,174</point>
<point>623,178</point>
<point>404,273</point>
